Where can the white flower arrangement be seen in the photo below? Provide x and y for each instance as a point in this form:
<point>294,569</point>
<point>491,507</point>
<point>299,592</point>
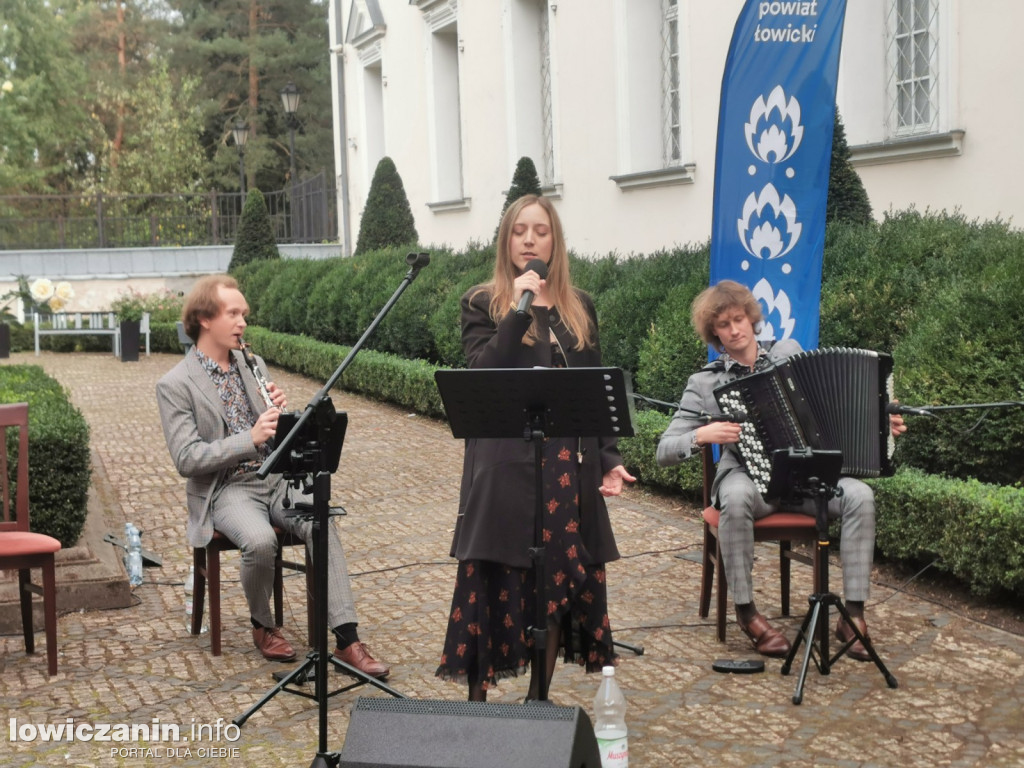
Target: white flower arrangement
<point>46,294</point>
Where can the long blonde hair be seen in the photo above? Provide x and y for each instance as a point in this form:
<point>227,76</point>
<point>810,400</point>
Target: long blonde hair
<point>559,285</point>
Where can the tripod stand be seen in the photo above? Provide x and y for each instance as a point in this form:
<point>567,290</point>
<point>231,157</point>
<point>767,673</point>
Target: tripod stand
<point>811,474</point>
<point>318,432</point>
<point>533,404</point>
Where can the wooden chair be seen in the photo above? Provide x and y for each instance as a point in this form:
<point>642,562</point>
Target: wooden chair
<point>783,527</point>
<point>21,549</point>
<point>206,563</point>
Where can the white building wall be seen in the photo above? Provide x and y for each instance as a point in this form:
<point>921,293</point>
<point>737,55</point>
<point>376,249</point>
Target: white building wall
<point>594,118</point>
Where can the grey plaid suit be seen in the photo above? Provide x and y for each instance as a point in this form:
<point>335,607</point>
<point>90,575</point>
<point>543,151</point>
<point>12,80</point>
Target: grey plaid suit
<point>739,502</point>
<point>242,507</point>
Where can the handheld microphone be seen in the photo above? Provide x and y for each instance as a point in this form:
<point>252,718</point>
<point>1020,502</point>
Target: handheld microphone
<point>533,265</point>
<point>896,408</point>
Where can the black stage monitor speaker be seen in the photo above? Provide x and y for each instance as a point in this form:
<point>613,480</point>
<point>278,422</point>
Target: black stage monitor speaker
<point>467,734</point>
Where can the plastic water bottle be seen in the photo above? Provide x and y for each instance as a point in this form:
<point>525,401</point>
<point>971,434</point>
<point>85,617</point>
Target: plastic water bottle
<point>134,564</point>
<point>610,722</point>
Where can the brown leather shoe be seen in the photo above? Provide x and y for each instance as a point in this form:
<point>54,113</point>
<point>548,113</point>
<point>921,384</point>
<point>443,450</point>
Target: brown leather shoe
<point>358,655</point>
<point>272,644</point>
<point>844,633</point>
<point>767,640</point>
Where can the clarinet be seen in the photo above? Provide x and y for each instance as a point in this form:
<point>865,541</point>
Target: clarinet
<point>261,380</point>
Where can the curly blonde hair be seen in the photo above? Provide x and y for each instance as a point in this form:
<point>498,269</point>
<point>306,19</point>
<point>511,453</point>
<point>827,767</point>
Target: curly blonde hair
<point>713,301</point>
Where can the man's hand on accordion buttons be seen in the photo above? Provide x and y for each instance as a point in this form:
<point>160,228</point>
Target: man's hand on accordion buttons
<point>719,432</point>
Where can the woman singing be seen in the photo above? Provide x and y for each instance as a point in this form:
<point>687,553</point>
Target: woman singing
<point>495,600</point>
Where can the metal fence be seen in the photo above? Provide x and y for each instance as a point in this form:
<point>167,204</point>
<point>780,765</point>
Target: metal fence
<point>304,213</point>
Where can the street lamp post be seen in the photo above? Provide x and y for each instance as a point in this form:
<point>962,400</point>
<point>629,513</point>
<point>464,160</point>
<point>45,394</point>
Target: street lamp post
<point>290,100</point>
<point>241,133</point>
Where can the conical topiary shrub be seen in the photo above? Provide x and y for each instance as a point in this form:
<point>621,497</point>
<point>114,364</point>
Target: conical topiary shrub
<point>255,238</point>
<point>524,182</point>
<point>387,218</point>
<point>847,198</point>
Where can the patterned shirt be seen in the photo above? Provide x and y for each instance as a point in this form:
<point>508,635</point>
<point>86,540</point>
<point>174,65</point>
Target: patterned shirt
<point>762,362</point>
<point>239,411</point>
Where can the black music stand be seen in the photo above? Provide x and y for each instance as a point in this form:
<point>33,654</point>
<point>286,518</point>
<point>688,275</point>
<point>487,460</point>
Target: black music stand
<point>315,439</point>
<point>535,403</point>
<point>810,474</point>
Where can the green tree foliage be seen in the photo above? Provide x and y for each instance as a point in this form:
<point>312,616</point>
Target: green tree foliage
<point>255,239</point>
<point>160,152</point>
<point>46,132</point>
<point>847,198</point>
<point>524,182</point>
<point>387,219</point>
<point>245,52</point>
<point>120,44</point>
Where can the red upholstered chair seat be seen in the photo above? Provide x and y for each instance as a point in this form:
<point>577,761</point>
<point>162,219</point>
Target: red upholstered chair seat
<point>22,550</point>
<point>18,543</point>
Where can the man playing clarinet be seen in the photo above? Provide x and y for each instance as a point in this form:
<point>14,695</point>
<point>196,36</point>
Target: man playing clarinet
<point>218,419</point>
<point>726,317</point>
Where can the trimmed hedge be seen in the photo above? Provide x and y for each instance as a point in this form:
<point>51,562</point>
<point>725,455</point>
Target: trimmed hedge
<point>409,383</point>
<point>59,469</point>
<point>976,529</point>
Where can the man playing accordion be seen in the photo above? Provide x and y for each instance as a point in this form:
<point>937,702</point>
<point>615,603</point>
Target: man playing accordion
<point>726,317</point>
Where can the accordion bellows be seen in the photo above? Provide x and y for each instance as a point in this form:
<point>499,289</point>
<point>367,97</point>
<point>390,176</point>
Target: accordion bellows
<point>833,398</point>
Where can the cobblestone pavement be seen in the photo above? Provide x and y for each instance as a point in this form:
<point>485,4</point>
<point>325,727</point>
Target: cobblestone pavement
<point>961,683</point>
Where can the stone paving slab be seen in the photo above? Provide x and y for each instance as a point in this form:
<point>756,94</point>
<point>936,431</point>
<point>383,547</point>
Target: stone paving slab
<point>961,683</point>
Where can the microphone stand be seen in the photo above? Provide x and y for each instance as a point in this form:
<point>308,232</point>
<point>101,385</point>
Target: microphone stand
<point>312,458</point>
<point>707,418</point>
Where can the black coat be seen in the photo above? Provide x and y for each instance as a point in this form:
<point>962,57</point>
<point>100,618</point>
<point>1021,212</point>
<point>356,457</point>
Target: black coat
<point>497,498</point>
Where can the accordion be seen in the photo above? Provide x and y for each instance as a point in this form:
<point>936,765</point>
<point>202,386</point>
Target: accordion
<point>825,399</point>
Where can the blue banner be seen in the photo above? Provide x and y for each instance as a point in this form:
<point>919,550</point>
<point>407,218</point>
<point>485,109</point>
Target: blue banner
<point>772,164</point>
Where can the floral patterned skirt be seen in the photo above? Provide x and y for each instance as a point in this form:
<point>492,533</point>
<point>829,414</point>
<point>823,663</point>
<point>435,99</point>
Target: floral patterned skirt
<point>494,604</point>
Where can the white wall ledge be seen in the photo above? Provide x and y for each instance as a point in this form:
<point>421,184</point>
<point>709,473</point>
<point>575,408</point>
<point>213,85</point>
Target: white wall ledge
<point>449,206</point>
<point>663,177</point>
<point>932,145</point>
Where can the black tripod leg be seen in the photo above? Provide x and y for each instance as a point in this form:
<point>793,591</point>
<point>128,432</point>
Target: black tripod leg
<point>292,677</point>
<point>868,646</point>
<point>637,649</point>
<point>806,633</point>
<point>364,679</point>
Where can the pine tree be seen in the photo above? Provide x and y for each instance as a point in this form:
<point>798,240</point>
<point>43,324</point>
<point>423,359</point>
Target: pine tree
<point>255,239</point>
<point>387,218</point>
<point>524,182</point>
<point>847,198</point>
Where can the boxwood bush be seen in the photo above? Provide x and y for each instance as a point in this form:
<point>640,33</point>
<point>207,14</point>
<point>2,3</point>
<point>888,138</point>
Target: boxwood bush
<point>975,529</point>
<point>59,469</point>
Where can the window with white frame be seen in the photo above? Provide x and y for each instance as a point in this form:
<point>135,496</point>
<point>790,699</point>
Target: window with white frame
<point>366,31</point>
<point>531,104</point>
<point>651,93</point>
<point>914,67</point>
<point>672,150</point>
<point>443,104</point>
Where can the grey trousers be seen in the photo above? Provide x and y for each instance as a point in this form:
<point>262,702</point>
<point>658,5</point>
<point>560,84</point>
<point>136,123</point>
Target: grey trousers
<point>244,509</point>
<point>740,504</point>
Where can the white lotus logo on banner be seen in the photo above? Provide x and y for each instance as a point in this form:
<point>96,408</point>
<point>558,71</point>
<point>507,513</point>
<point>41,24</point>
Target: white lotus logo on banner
<point>769,228</point>
<point>768,136</point>
<point>779,311</point>
<point>775,123</point>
